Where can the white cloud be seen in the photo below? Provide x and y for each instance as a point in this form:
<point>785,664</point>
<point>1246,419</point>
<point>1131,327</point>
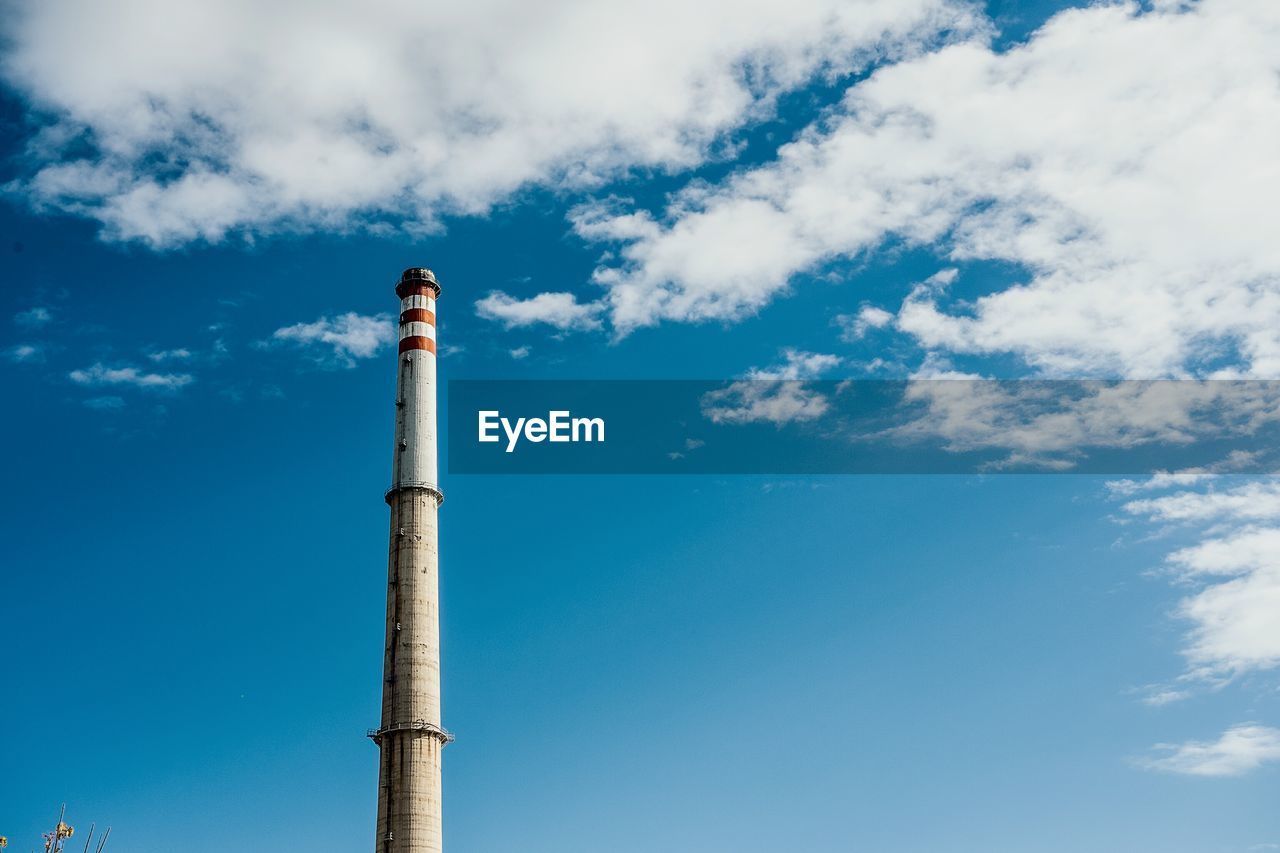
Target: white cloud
<point>797,364</point>
<point>1124,158</point>
<point>99,375</point>
<point>520,352</point>
<point>105,403</point>
<point>1233,573</point>
<point>1234,615</point>
<point>561,310</point>
<point>348,336</point>
<point>1057,421</point>
<point>1253,501</point>
<point>213,116</point>
<point>1247,550</point>
<point>776,394</point>
<point>1160,696</point>
<point>1157,481</point>
<point>33,317</point>
<point>759,401</point>
<point>25,352</point>
<point>169,355</point>
<point>854,327</point>
<point>1239,750</point>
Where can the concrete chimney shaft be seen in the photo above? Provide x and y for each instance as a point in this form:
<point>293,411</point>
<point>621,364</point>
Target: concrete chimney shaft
<point>411,737</point>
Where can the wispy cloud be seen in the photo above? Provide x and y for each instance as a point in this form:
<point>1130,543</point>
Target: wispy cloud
<point>1158,696</point>
<point>344,338</point>
<point>25,352</point>
<point>105,403</point>
<point>1239,750</point>
<point>776,394</point>
<point>1160,480</point>
<point>1257,500</point>
<point>1056,423</point>
<point>758,401</point>
<point>161,356</point>
<point>33,318</point>
<point>520,353</point>
<point>797,364</point>
<point>99,375</point>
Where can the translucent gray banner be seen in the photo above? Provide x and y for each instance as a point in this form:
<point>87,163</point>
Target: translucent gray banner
<point>862,426</point>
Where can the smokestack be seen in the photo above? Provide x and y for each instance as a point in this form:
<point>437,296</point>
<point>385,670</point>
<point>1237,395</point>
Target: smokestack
<point>410,738</point>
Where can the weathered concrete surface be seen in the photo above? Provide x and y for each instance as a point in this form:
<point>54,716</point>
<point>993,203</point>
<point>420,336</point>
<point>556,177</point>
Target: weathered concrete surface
<point>410,737</point>
<point>409,808</point>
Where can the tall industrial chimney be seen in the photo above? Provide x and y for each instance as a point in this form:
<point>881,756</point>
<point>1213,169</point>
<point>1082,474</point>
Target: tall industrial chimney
<point>410,738</point>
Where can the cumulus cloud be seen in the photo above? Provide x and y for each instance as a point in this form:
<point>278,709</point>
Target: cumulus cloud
<point>1123,157</point>
<point>1233,572</point>
<point>1239,750</point>
<point>347,337</point>
<point>100,375</point>
<point>203,118</point>
<point>854,327</point>
<point>559,310</point>
<point>1234,615</point>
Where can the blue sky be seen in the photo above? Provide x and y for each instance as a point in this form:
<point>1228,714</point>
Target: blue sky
<point>196,361</point>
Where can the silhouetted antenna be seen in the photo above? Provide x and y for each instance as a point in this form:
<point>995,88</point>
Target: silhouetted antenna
<point>89,837</point>
<point>103,842</point>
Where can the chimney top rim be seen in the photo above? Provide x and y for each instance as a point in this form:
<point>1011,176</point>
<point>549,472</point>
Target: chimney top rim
<point>417,277</point>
